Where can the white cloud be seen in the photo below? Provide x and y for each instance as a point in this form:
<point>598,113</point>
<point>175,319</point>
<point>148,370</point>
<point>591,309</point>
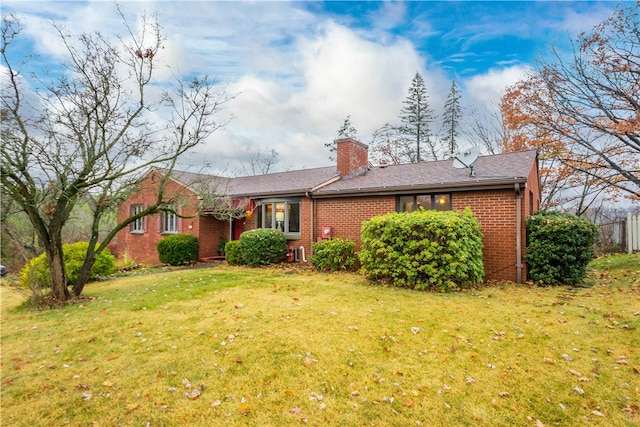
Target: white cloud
<point>486,90</point>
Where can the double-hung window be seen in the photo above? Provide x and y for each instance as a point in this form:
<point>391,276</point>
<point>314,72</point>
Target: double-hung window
<point>438,202</point>
<point>282,214</point>
<point>169,222</point>
<point>137,226</point>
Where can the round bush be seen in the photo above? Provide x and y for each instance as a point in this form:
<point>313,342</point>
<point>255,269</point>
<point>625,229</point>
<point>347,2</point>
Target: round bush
<point>334,255</point>
<point>232,252</point>
<point>559,247</point>
<point>423,249</point>
<point>37,269</point>
<point>263,246</point>
<point>178,249</point>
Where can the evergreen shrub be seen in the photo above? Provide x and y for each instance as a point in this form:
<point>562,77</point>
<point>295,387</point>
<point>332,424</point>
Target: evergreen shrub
<point>263,246</point>
<point>559,247</point>
<point>178,249</point>
<point>334,255</point>
<point>423,249</point>
<point>232,252</point>
<point>37,269</point>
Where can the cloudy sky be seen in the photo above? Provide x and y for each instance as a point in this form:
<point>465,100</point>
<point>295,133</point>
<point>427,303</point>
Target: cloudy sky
<point>299,68</point>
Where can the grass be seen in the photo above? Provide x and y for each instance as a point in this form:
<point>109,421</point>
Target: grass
<point>275,347</point>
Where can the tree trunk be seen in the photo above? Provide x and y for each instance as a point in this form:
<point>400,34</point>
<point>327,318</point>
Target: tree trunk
<point>85,271</point>
<point>55,257</point>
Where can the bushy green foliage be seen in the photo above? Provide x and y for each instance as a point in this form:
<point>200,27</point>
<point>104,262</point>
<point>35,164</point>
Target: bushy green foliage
<point>232,252</point>
<point>37,269</point>
<point>263,246</point>
<point>178,249</point>
<point>334,255</point>
<point>559,247</point>
<point>423,249</point>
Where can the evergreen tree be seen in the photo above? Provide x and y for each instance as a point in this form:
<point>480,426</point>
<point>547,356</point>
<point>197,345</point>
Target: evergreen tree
<point>347,130</point>
<point>451,118</point>
<point>416,115</point>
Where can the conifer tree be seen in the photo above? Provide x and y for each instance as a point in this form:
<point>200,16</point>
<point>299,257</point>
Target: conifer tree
<point>347,130</point>
<point>451,118</point>
<point>416,116</point>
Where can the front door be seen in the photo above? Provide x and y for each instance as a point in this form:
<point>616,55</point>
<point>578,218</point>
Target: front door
<point>238,228</point>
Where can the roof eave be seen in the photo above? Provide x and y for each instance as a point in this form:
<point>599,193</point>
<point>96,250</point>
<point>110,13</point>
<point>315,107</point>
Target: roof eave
<point>502,184</point>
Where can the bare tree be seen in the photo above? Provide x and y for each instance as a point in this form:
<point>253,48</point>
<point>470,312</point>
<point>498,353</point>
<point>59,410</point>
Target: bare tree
<point>588,106</point>
<point>92,130</point>
<point>389,146</point>
<point>261,162</point>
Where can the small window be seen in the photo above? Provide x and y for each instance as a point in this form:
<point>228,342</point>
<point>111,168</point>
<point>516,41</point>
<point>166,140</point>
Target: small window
<point>281,214</point>
<point>137,226</point>
<point>438,202</point>
<point>169,222</point>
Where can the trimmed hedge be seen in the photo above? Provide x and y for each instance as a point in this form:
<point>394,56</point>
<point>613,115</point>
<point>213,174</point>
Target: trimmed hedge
<point>178,249</point>
<point>37,269</point>
<point>232,252</point>
<point>559,247</point>
<point>263,246</point>
<point>423,249</point>
<point>334,255</point>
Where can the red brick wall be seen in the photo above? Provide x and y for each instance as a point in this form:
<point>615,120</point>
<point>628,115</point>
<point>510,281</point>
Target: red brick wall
<point>346,216</point>
<point>142,247</point>
<point>496,211</point>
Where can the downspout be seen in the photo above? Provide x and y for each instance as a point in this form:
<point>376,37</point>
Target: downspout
<point>312,220</point>
<point>518,234</point>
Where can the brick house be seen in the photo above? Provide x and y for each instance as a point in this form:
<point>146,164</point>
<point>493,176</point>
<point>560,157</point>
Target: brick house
<point>333,201</point>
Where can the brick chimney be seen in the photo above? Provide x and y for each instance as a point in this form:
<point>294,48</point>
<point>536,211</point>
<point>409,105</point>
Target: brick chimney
<point>352,157</point>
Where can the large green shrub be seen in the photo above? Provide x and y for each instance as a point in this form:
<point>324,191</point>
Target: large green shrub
<point>263,246</point>
<point>178,249</point>
<point>334,255</point>
<point>37,269</point>
<point>559,247</point>
<point>232,252</point>
<point>423,249</point>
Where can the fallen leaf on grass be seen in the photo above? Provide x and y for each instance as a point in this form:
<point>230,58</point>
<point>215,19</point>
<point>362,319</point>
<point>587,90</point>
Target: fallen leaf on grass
<point>409,403</point>
<point>574,372</point>
<point>598,413</point>
<point>296,411</point>
<point>539,423</point>
<point>578,390</point>
<point>132,406</point>
<point>112,356</point>
<point>244,409</point>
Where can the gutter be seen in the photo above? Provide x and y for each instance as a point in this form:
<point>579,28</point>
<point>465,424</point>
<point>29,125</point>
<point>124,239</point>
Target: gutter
<point>500,184</point>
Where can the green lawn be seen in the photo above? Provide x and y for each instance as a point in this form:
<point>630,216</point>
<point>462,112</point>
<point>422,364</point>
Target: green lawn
<point>276,347</point>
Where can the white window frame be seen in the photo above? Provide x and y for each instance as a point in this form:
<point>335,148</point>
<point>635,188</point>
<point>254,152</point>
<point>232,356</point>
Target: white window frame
<point>169,222</point>
<point>279,218</point>
<point>137,226</point>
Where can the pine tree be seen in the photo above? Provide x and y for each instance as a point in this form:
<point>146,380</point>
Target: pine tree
<point>416,117</point>
<point>451,118</point>
<point>347,130</point>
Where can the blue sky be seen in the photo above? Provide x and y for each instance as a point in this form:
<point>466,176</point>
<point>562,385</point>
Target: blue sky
<point>299,68</point>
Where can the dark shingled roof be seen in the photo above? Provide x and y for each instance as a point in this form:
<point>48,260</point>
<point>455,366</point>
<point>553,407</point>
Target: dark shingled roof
<point>490,172</point>
<point>494,171</point>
